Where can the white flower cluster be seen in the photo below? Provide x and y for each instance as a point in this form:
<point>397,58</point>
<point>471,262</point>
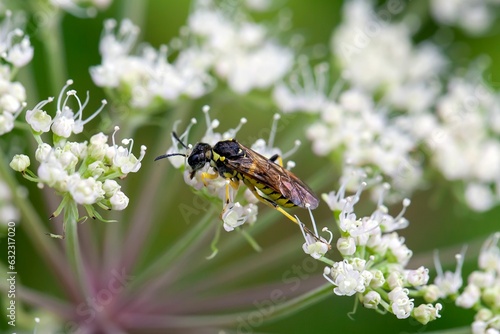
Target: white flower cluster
<point>376,58</point>
<point>149,75</point>
<point>82,171</point>
<point>15,51</point>
<point>395,111</point>
<point>379,57</point>
<point>464,140</point>
<point>482,292</point>
<point>473,16</point>
<point>236,49</point>
<point>66,121</point>
<point>239,51</point>
<point>81,8</point>
<point>370,140</point>
<point>374,260</point>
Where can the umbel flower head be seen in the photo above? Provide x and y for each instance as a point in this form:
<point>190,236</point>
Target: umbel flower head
<point>81,172</point>
<point>15,52</point>
<point>482,292</point>
<point>374,259</point>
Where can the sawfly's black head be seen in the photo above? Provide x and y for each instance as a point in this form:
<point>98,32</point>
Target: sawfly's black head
<point>200,155</point>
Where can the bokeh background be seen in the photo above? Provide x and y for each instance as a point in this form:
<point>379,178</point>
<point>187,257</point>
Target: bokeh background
<point>438,220</point>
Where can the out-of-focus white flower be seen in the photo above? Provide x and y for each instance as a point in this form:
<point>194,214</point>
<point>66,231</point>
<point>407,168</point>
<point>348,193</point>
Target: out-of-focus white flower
<point>15,46</point>
<point>242,53</point>
<point>473,16</point>
<point>427,312</point>
<point>379,57</point>
<point>15,51</point>
<point>483,289</point>
<point>469,296</point>
<point>148,75</point>
<point>449,282</point>
<point>371,299</point>
<point>467,148</point>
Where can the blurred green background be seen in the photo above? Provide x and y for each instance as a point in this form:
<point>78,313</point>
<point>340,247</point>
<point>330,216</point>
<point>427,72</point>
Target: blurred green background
<point>437,219</point>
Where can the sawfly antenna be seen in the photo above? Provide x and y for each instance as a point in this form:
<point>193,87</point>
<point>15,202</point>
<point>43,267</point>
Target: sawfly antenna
<point>180,141</point>
<point>174,154</point>
<point>169,155</point>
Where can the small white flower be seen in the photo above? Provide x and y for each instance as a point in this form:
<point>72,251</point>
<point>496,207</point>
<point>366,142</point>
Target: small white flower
<point>431,293</point>
<point>395,280</point>
<point>98,146</point>
<point>479,196</point>
<point>482,279</point>
<point>469,296</point>
<point>489,258</point>
<point>63,124</point>
<point>427,312</point>
<point>38,119</point>
<point>42,152</point>
<point>85,191</point>
<point>96,169</point>
<point>123,158</point>
<point>378,278</point>
<point>417,277</point>
<point>110,187</point>
<point>401,304</point>
<point>371,300</point>
<point>316,249</point>
<point>346,246</point>
<point>347,280</point>
<point>119,200</point>
<point>449,283</point>
<point>6,123</point>
<point>52,173</point>
<point>20,162</point>
<point>20,53</point>
<point>233,216</point>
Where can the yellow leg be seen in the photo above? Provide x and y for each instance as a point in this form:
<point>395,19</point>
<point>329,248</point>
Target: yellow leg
<point>235,185</point>
<point>280,209</point>
<point>205,176</point>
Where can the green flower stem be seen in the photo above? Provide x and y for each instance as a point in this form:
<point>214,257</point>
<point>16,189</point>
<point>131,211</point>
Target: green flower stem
<point>174,252</point>
<point>253,264</point>
<point>53,46</point>
<point>134,10</point>
<point>34,228</point>
<point>280,311</point>
<point>73,246</point>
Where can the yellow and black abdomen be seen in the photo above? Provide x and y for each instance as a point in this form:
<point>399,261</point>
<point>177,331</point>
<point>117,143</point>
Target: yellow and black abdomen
<point>272,194</point>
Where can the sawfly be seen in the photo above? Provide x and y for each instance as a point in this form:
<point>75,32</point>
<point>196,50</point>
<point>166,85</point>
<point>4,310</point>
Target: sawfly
<point>279,187</point>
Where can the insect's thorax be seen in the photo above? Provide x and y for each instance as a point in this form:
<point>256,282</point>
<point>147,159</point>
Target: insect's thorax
<point>218,163</point>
